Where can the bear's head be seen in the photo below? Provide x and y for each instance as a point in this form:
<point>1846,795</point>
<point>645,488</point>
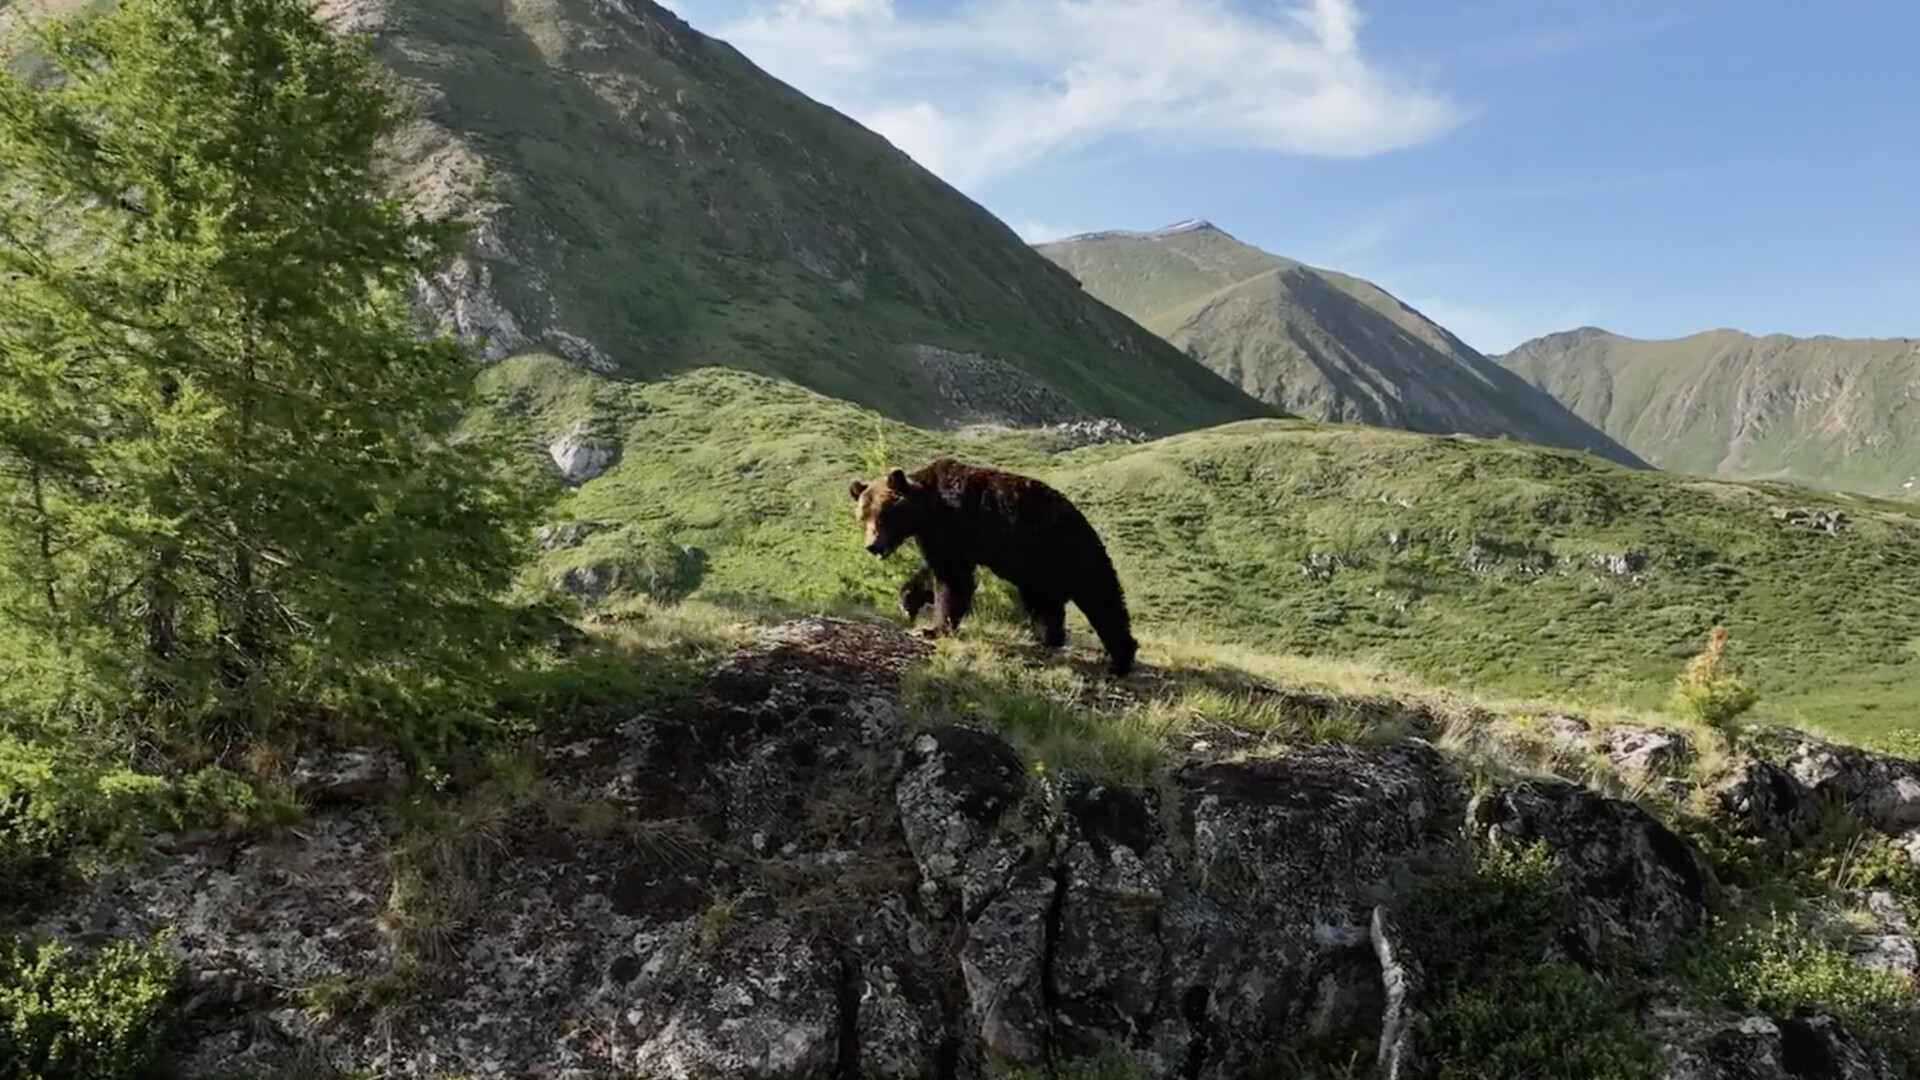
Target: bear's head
<point>889,511</point>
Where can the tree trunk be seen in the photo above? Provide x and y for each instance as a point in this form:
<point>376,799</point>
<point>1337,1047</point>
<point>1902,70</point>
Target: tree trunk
<point>163,638</point>
<point>247,617</point>
<point>43,530</point>
<point>163,597</point>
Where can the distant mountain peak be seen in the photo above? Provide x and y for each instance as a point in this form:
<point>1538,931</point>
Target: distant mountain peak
<point>1731,404</point>
<point>1312,342</point>
<point>1563,339</point>
<point>1178,228</point>
<point>1187,226</point>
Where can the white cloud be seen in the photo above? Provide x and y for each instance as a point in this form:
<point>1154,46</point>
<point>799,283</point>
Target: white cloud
<point>988,88</point>
<point>1495,330</point>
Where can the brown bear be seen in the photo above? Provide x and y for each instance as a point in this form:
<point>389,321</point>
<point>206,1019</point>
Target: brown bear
<point>916,592</point>
<point>967,516</point>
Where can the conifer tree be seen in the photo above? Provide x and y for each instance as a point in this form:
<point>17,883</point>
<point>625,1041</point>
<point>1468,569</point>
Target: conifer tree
<point>232,466</point>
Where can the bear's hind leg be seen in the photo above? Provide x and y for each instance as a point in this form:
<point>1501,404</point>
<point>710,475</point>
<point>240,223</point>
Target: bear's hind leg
<point>1047,613</point>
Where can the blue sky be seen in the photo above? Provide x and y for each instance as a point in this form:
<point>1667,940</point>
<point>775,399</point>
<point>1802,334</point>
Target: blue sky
<point>1509,167</point>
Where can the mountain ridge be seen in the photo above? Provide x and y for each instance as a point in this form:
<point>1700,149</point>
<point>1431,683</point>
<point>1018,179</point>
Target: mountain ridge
<point>1724,402</point>
<point>1314,341</point>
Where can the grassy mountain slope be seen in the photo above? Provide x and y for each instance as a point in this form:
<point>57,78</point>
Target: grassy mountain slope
<point>1495,567</point>
<point>1825,410</point>
<point>1314,342</point>
<point>649,201</point>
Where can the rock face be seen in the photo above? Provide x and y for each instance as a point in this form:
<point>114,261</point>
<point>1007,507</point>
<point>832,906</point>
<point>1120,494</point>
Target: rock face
<point>580,459</point>
<point>1882,792</point>
<point>790,880</point>
<point>1631,749</point>
<point>1890,944</point>
<point>1762,799</point>
<point>1085,932</point>
<point>1783,798</point>
<point>1632,888</point>
<point>1766,1048</point>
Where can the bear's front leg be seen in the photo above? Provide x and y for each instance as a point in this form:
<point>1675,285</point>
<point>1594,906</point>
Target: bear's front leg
<point>953,597</point>
<point>916,593</point>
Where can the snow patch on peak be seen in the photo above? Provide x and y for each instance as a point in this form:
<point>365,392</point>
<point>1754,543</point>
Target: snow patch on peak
<point>1187,226</point>
<point>1176,229</point>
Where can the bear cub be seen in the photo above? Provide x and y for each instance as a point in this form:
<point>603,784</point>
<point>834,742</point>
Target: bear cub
<point>964,517</point>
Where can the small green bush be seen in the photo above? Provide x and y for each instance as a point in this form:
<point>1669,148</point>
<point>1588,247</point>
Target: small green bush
<point>65,1020</point>
<point>1506,906</point>
<point>1711,690</point>
<point>1538,1021</point>
<point>53,795</point>
<point>1499,1010</point>
<point>1781,965</point>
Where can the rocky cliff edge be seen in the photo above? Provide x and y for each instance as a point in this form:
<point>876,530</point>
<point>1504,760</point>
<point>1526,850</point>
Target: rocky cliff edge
<point>785,875</point>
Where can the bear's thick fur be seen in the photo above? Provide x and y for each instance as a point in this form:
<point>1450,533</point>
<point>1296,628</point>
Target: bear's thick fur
<point>967,516</point>
<point>916,592</point>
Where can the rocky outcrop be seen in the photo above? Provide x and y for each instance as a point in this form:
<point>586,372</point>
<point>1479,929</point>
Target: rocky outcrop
<point>784,876</point>
<point>1760,798</point>
<point>1630,748</point>
<point>1631,888</point>
<point>1194,946</point>
<point>556,536</point>
<point>978,389</point>
<point>1830,522</point>
<point>1764,1047</point>
<point>581,458</point>
<point>1879,790</point>
<point>1782,794</point>
<point>1889,943</point>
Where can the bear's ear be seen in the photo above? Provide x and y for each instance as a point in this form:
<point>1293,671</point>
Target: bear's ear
<point>897,480</point>
<point>856,488</point>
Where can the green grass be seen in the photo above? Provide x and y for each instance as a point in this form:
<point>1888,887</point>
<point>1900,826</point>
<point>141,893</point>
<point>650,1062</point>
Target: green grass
<point>1830,411</point>
<point>1458,562</point>
<point>1314,342</point>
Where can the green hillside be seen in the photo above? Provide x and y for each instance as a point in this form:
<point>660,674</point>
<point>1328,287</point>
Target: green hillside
<point>649,201</point>
<point>1485,565</point>
<point>1831,411</point>
<point>1314,342</point>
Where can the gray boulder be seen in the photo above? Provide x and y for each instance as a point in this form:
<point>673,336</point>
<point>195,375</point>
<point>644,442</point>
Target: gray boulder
<point>1881,791</point>
<point>581,458</point>
<point>1762,799</point>
<point>1630,887</point>
<point>1764,1047</point>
